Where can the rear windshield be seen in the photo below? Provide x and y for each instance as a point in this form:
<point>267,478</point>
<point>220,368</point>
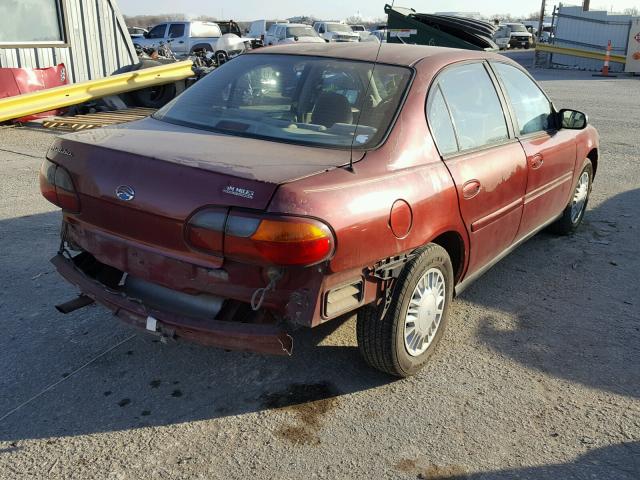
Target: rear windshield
<point>301,32</point>
<point>298,99</point>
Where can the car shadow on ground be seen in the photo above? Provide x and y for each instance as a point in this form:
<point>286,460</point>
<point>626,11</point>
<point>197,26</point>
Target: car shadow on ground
<point>575,301</point>
<point>616,462</point>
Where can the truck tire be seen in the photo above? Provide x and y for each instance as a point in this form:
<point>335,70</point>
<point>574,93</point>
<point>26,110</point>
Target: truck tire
<point>573,214</point>
<point>152,97</point>
<point>403,340</point>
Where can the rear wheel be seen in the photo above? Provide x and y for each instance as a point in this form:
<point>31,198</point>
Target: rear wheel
<point>401,342</point>
<point>574,212</point>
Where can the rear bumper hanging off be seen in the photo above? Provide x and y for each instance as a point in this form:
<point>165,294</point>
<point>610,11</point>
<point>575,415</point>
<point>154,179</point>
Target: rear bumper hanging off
<point>265,338</point>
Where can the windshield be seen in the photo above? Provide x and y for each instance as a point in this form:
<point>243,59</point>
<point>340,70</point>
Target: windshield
<point>517,28</point>
<point>290,98</point>
<point>301,32</point>
<point>338,27</point>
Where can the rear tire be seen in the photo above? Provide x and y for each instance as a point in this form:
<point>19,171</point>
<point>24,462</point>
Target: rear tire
<point>574,212</point>
<point>421,296</point>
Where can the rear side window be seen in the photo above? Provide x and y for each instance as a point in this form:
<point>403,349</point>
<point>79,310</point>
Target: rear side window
<point>176,30</point>
<point>531,107</point>
<point>440,123</point>
<point>476,111</point>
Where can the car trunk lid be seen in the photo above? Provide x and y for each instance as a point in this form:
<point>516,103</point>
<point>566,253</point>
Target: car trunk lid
<point>143,181</point>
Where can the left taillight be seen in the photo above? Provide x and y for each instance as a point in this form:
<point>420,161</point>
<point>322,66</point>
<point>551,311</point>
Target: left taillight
<point>57,187</point>
<point>262,239</point>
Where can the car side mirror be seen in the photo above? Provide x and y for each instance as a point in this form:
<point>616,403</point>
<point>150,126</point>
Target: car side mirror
<point>145,34</point>
<point>572,119</point>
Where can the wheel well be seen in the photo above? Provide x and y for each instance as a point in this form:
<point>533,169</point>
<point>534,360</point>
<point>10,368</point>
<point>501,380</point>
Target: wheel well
<point>593,156</point>
<point>454,245</point>
<point>201,46</point>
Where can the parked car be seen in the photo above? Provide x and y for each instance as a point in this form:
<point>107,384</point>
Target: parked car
<point>292,33</point>
<point>299,185</point>
<point>260,28</point>
<point>336,32</point>
<point>380,32</point>
<point>189,37</point>
<point>137,32</point>
<point>502,36</point>
<point>519,36</point>
<point>362,32</point>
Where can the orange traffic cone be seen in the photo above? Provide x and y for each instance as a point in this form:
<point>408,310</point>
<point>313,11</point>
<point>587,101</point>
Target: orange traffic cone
<point>605,67</point>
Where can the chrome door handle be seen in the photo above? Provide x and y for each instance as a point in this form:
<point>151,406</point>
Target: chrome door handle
<point>471,189</point>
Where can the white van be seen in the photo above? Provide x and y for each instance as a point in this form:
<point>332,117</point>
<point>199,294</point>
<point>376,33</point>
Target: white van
<point>259,28</point>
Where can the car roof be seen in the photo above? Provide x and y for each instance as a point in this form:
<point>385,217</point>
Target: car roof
<point>389,53</point>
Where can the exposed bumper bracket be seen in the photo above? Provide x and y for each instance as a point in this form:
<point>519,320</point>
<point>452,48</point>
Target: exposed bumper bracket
<point>252,337</point>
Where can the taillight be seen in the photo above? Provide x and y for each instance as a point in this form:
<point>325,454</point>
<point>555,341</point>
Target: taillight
<point>261,239</point>
<point>205,230</point>
<point>57,187</point>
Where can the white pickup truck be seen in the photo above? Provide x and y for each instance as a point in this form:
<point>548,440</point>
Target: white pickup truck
<point>188,37</point>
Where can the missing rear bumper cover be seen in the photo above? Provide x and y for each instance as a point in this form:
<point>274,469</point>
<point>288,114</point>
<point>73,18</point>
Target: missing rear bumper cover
<point>260,334</point>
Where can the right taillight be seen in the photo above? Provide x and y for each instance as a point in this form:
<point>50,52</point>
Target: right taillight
<point>261,239</point>
<point>57,187</point>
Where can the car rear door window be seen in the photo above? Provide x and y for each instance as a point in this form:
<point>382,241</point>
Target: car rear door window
<point>531,107</point>
<point>440,123</point>
<point>475,108</point>
<point>176,30</point>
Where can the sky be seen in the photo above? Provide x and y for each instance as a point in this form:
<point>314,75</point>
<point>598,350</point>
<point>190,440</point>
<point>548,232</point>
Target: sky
<point>243,10</point>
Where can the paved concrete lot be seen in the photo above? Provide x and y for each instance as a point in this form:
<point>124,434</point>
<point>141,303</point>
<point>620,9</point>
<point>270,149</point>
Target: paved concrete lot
<point>537,377</point>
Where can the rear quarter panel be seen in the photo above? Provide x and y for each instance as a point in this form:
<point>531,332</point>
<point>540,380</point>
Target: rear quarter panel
<point>357,204</point>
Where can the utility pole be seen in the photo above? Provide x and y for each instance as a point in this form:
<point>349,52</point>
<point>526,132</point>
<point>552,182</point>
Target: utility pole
<point>585,5</point>
<point>543,8</point>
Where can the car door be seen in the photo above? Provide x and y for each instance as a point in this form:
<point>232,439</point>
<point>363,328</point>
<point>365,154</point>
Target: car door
<point>177,38</point>
<point>551,153</point>
<point>156,35</point>
<point>270,38</point>
<point>474,136</point>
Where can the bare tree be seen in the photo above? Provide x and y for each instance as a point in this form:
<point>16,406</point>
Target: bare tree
<point>152,20</point>
<point>354,20</point>
<point>633,11</point>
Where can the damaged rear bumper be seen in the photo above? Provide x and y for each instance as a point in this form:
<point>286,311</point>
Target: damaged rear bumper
<point>265,338</point>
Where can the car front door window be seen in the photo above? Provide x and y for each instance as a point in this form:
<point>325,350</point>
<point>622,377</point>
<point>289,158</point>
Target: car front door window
<point>531,107</point>
<point>158,31</point>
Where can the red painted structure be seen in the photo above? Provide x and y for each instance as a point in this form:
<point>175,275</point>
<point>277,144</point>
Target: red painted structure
<point>18,81</point>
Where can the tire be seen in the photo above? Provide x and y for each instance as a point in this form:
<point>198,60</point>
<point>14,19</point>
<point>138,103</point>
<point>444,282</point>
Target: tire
<point>152,97</point>
<point>569,221</point>
<point>382,340</point>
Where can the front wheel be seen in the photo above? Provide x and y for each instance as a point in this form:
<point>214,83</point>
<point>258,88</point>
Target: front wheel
<point>573,214</point>
<point>401,342</point>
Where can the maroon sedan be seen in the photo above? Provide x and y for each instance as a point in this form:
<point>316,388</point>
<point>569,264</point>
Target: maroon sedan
<point>297,184</point>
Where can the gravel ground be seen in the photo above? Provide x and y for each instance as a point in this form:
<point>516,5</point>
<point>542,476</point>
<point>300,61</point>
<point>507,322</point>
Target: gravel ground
<point>537,377</point>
